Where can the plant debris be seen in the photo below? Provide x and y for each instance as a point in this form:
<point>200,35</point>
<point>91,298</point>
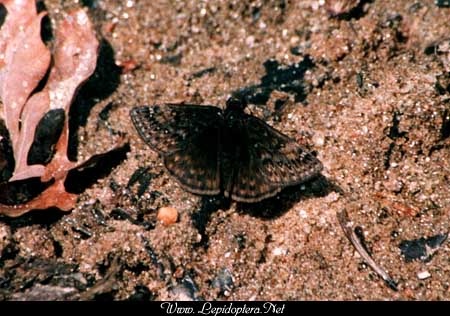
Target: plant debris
<point>442,3</point>
<point>356,242</point>
<point>24,62</point>
<point>422,248</point>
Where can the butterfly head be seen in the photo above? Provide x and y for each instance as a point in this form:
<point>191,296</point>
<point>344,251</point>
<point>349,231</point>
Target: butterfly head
<point>234,111</point>
<point>236,104</point>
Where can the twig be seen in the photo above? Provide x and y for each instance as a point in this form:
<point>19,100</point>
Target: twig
<point>356,242</point>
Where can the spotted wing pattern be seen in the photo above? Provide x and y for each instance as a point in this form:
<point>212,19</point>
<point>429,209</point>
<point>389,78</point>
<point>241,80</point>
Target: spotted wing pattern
<point>268,162</point>
<point>209,152</point>
<point>187,137</point>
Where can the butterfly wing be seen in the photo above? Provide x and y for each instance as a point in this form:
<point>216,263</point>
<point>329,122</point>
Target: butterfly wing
<point>187,137</point>
<point>268,162</point>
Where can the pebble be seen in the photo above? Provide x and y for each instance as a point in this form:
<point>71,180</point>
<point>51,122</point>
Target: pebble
<point>393,184</point>
<point>423,275</point>
<point>319,139</point>
<point>279,251</point>
<point>303,213</point>
<point>167,215</point>
<point>332,197</point>
<point>250,41</point>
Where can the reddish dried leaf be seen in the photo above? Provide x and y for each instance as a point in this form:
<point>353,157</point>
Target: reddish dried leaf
<point>26,60</point>
<point>35,108</point>
<point>20,13</point>
<point>56,195</point>
<point>53,196</point>
<point>75,54</point>
<point>75,60</point>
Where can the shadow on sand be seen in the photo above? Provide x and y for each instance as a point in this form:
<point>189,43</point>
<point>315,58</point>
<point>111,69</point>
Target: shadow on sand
<point>267,209</point>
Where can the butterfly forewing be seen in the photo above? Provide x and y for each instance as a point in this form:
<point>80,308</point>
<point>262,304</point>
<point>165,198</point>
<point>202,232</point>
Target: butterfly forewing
<point>169,127</point>
<point>269,161</point>
<point>187,137</point>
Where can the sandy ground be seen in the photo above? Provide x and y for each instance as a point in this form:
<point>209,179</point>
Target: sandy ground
<point>369,93</point>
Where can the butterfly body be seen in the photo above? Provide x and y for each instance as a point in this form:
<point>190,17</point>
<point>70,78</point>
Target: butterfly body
<point>210,151</point>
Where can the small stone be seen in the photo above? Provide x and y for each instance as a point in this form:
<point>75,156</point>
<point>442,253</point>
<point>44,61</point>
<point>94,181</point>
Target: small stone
<point>340,7</point>
<point>279,251</point>
<point>393,184</point>
<point>181,293</point>
<point>332,197</point>
<point>186,290</point>
<point>250,41</point>
<point>167,215</point>
<point>303,213</point>
<point>423,275</point>
<point>319,139</point>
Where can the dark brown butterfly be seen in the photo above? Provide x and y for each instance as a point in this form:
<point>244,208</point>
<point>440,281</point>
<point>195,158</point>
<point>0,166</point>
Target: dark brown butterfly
<point>209,151</point>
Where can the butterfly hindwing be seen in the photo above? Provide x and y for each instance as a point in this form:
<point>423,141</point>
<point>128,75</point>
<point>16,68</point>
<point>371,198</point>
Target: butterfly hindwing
<point>269,161</point>
<point>187,137</point>
<point>249,185</point>
<point>196,166</point>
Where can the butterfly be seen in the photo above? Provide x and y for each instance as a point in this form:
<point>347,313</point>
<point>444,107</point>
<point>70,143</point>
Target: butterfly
<point>211,151</point>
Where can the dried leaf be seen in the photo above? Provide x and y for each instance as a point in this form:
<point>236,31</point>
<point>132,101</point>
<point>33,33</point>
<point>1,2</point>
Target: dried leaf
<point>24,61</point>
<point>75,61</point>
<point>53,196</point>
<point>33,112</point>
